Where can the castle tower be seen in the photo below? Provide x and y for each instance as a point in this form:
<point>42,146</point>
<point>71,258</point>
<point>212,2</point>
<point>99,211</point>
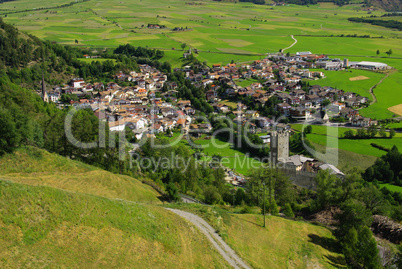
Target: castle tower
<point>279,147</point>
<point>44,95</point>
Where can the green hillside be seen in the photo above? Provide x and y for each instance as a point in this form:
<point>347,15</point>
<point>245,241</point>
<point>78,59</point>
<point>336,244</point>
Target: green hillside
<point>42,227</point>
<point>282,244</point>
<point>38,167</point>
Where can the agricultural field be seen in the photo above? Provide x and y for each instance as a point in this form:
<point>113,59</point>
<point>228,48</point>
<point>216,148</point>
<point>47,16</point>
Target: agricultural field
<point>360,146</point>
<point>349,152</point>
<point>224,32</point>
<point>357,81</point>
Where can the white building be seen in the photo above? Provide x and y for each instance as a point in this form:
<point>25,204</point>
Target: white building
<point>368,65</point>
<point>77,83</point>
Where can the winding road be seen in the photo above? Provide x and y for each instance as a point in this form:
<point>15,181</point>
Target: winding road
<point>227,252</point>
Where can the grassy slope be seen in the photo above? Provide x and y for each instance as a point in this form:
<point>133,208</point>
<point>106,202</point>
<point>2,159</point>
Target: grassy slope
<point>282,244</point>
<point>45,227</point>
<point>38,167</point>
<point>392,187</point>
<point>232,158</point>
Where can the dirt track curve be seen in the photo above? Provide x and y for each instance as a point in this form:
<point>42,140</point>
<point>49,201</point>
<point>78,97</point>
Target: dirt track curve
<point>227,252</point>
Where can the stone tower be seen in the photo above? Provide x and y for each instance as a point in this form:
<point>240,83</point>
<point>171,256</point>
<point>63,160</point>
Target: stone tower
<point>279,146</point>
<point>44,95</point>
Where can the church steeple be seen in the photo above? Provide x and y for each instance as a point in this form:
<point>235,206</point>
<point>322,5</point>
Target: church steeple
<point>45,97</point>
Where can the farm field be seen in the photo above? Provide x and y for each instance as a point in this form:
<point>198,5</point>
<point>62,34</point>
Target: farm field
<point>396,125</point>
<point>323,130</point>
<point>223,32</point>
<point>360,146</point>
<point>349,152</point>
<point>344,80</point>
<point>228,28</point>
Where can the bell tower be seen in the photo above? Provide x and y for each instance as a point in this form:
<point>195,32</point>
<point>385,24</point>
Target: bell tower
<point>44,95</point>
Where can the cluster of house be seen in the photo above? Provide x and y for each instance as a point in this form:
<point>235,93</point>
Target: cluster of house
<point>286,88</point>
<point>291,70</point>
<point>136,107</point>
<point>146,109</point>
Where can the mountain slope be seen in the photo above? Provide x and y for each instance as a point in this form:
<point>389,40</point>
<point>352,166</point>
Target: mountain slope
<point>281,244</point>
<point>45,227</point>
<point>34,166</point>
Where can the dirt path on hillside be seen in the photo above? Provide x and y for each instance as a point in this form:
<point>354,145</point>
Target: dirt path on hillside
<point>375,86</point>
<point>292,44</point>
<point>227,252</point>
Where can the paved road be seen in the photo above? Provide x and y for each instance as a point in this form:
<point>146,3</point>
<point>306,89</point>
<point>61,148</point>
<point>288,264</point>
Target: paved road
<point>227,253</point>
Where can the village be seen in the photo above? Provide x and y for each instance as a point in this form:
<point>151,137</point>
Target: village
<point>154,99</point>
<point>151,106</point>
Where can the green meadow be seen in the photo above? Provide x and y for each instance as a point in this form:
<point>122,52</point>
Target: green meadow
<point>231,158</point>
<point>224,32</point>
<point>344,80</point>
<point>360,146</point>
<point>89,60</point>
<point>392,187</point>
<point>347,152</point>
<point>229,28</point>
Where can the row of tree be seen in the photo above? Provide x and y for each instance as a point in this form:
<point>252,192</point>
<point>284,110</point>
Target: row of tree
<point>369,133</point>
<point>393,24</point>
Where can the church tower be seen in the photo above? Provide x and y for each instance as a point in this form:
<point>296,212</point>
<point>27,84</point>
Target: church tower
<point>44,95</point>
<point>279,147</point>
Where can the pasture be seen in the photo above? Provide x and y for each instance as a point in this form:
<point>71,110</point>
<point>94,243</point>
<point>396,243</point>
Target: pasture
<point>345,80</point>
<point>229,29</point>
<point>223,32</point>
<point>231,158</point>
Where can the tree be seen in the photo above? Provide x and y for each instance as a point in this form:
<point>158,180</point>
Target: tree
<point>328,190</point>
<point>389,52</point>
<point>8,132</point>
<point>349,134</point>
<point>378,52</point>
<point>392,133</point>
<point>288,211</point>
<point>183,46</point>
<point>308,130</point>
<point>372,131</point>
<point>367,250</point>
<point>361,133</point>
<point>382,132</point>
<point>325,103</point>
<point>172,191</point>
